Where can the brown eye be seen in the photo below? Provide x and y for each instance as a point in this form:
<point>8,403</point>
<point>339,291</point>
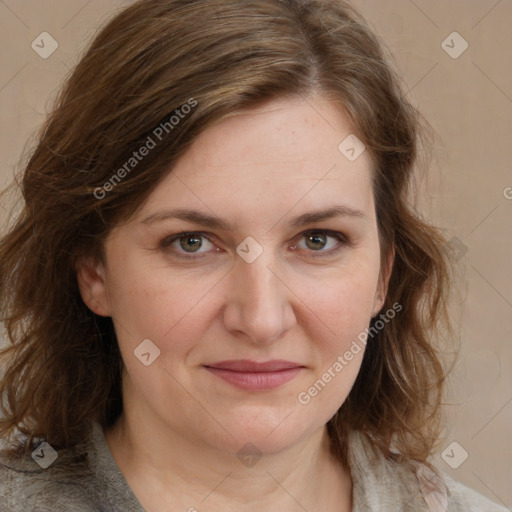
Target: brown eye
<point>190,243</point>
<point>187,244</point>
<point>318,242</point>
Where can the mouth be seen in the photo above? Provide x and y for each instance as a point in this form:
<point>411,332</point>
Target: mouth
<point>255,376</point>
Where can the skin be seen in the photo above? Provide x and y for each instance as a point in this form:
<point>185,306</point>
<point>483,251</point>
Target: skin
<point>178,438</point>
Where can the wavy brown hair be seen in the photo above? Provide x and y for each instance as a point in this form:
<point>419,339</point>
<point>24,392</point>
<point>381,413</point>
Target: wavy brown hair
<point>62,366</point>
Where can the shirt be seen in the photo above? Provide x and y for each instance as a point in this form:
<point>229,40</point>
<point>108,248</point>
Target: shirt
<point>87,479</point>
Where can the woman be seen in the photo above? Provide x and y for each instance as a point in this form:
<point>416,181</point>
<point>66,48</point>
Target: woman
<point>217,296</point>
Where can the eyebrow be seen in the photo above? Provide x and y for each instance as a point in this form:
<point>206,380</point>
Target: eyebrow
<point>215,222</point>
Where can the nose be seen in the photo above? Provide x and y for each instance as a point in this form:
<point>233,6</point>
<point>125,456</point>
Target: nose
<point>258,301</point>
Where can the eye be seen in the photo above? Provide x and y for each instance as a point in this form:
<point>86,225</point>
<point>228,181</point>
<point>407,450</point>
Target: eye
<point>317,241</point>
<point>187,244</point>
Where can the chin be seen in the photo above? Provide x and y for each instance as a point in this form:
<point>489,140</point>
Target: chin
<point>267,433</point>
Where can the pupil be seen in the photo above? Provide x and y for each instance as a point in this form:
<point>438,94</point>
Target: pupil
<point>315,238</point>
<point>187,246</point>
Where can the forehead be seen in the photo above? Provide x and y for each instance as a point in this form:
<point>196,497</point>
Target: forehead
<point>280,153</point>
<point>286,131</point>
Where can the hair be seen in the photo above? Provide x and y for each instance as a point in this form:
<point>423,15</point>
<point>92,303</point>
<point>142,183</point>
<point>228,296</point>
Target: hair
<point>62,365</point>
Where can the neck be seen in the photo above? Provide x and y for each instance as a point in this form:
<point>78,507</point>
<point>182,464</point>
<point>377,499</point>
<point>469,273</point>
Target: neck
<point>165,467</point>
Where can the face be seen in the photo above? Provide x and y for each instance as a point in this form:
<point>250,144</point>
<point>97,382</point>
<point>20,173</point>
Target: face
<point>259,301</point>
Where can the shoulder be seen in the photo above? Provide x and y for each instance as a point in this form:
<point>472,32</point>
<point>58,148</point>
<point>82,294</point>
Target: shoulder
<point>444,494</point>
<point>463,498</point>
<point>62,486</point>
<point>381,483</point>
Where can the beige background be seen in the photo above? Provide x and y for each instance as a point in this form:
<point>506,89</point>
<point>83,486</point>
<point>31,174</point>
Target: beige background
<point>468,101</point>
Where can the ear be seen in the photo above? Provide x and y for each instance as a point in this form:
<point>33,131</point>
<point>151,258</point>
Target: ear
<point>92,284</point>
<point>382,287</point>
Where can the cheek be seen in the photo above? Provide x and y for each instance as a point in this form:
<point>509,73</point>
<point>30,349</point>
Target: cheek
<point>342,303</point>
<point>168,307</point>
<point>338,317</point>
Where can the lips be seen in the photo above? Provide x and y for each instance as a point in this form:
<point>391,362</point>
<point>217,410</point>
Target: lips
<point>253,375</point>
<point>245,365</point>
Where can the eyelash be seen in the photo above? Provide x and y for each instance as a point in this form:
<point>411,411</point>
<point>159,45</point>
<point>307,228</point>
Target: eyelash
<point>342,239</point>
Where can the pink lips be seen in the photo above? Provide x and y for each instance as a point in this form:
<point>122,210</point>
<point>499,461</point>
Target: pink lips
<point>254,376</point>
